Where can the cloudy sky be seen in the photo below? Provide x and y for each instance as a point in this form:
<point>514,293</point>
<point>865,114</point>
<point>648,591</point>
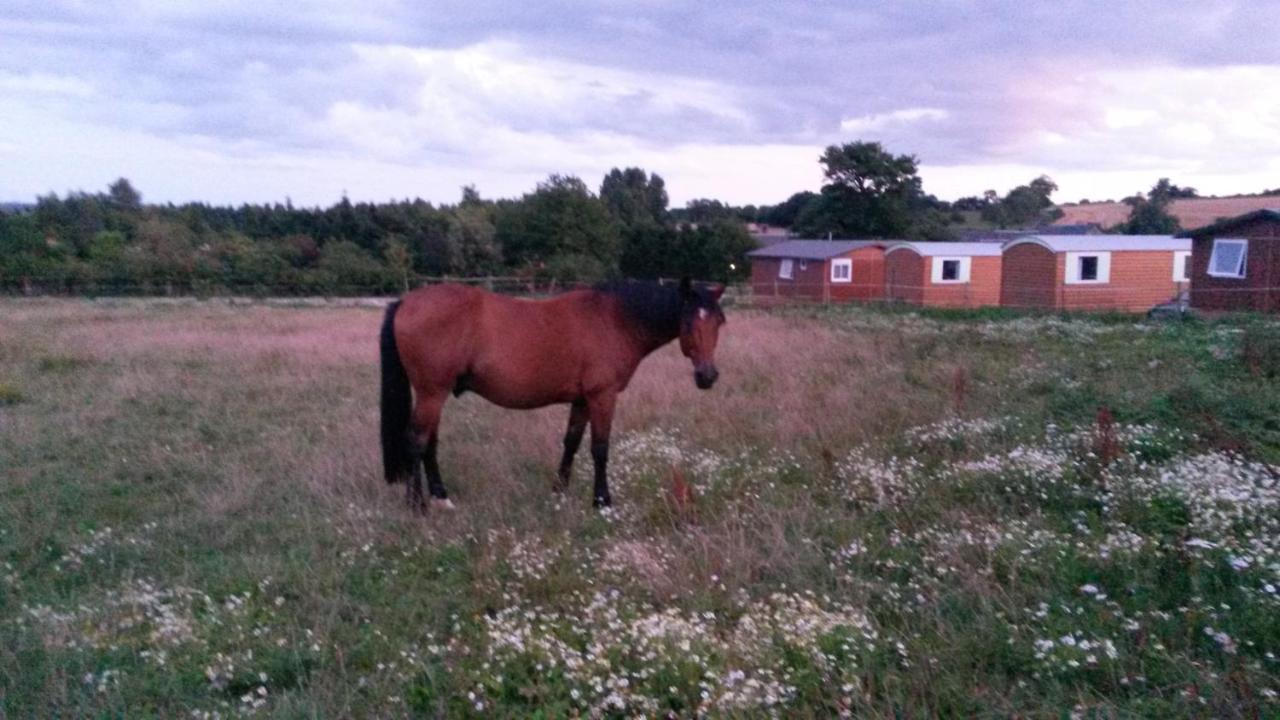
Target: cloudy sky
<point>250,100</point>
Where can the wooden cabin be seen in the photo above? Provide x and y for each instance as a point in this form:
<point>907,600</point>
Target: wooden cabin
<point>1235,263</point>
<point>1128,273</point>
<point>944,274</point>
<point>820,270</point>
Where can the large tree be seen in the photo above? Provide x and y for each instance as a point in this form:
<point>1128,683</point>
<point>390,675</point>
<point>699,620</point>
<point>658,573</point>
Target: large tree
<point>1150,215</point>
<point>870,193</point>
<point>1025,206</point>
<point>634,197</point>
<point>785,213</point>
<point>563,227</point>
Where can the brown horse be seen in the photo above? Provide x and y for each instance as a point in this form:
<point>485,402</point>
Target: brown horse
<point>580,348</point>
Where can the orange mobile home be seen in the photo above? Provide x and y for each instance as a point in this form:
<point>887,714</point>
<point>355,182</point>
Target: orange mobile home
<point>944,274</point>
<point>1131,273</point>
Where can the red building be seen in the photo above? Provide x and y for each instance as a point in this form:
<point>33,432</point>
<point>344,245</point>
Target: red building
<point>944,274</point>
<point>821,270</point>
<point>1235,263</point>
<point>1130,273</point>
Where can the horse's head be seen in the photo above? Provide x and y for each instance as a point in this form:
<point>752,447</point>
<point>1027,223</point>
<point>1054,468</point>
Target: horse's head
<point>700,321</point>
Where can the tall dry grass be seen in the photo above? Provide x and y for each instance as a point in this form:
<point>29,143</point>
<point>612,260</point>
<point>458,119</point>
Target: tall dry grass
<point>236,448</point>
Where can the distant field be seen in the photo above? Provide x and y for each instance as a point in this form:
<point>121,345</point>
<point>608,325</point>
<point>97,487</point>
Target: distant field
<point>1192,213</point>
<point>898,515</point>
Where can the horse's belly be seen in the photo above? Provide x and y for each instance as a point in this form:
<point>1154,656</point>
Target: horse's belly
<point>517,398</point>
<point>521,386</point>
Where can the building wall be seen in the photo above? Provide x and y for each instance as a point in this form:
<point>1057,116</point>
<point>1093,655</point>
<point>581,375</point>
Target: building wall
<point>807,282</point>
<point>909,278</point>
<point>1258,290</point>
<point>867,277</point>
<point>1030,277</point>
<point>1139,282</point>
<point>904,276</point>
<point>982,289</point>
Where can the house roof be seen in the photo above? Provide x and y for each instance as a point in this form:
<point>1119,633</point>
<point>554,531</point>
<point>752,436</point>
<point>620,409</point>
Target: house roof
<point>958,249</point>
<point>1103,243</point>
<point>813,249</point>
<point>1229,223</point>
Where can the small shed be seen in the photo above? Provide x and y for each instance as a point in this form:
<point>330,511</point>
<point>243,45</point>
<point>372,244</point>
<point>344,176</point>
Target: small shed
<point>1130,273</point>
<point>1235,263</point>
<point>944,274</point>
<point>822,270</point>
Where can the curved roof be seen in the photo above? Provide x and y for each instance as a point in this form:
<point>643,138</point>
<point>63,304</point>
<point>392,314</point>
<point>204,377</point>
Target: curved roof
<point>1103,243</point>
<point>812,249</point>
<point>957,249</point>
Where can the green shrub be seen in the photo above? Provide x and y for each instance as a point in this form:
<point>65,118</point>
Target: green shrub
<point>1260,350</point>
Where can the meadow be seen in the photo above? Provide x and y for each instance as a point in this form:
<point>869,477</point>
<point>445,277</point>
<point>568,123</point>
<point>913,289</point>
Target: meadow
<point>893,514</point>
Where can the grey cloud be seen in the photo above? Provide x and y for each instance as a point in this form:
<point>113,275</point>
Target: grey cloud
<point>250,73</point>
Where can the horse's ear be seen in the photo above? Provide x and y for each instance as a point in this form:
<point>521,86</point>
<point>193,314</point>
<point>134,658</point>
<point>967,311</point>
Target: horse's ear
<point>716,291</point>
<point>686,287</point>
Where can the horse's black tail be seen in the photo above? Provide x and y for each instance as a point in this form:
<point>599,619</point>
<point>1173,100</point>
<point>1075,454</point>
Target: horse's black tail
<point>397,402</point>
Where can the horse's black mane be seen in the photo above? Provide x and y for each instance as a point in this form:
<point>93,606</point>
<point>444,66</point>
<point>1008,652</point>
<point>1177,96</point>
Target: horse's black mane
<point>650,305</point>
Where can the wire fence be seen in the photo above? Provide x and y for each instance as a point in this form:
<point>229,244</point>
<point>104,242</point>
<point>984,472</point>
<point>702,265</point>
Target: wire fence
<point>1081,296</point>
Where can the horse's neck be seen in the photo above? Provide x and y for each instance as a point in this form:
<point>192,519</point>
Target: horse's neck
<point>642,337</point>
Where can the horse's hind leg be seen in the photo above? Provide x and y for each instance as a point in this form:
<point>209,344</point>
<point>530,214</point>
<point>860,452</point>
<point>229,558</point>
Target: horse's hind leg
<point>572,439</point>
<point>600,408</point>
<point>426,427</point>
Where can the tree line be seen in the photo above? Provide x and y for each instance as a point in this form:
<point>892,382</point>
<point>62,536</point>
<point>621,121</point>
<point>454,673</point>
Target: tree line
<point>561,231</point>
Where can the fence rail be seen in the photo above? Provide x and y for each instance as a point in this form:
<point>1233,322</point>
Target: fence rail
<point>1084,296</point>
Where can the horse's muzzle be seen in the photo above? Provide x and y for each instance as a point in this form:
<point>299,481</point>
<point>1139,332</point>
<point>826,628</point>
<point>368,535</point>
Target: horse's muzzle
<point>704,376</point>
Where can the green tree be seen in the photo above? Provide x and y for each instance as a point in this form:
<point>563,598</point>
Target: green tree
<point>649,250</point>
<point>704,210</point>
<point>562,227</point>
<point>24,254</point>
<point>1150,215</point>
<point>395,252</point>
<point>716,251</point>
<point>785,213</point>
<point>632,196</point>
<point>1024,206</point>
<point>870,193</point>
<point>472,237</point>
<point>345,267</point>
<point>123,196</point>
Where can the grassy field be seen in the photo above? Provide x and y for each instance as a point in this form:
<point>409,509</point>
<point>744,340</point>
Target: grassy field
<point>896,515</point>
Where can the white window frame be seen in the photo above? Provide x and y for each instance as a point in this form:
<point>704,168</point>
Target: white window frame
<point>1181,266</point>
<point>847,275</point>
<point>1244,258</point>
<point>786,269</point>
<point>936,267</point>
<point>1073,268</point>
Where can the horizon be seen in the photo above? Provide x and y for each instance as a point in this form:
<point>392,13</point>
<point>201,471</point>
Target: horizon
<point>250,104</point>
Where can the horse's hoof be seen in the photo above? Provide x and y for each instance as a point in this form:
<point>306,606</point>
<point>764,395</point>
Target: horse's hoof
<point>442,504</point>
<point>600,502</point>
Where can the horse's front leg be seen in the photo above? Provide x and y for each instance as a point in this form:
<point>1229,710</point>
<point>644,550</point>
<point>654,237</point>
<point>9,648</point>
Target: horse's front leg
<point>600,409</point>
<point>572,439</point>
